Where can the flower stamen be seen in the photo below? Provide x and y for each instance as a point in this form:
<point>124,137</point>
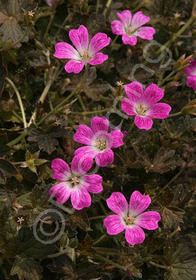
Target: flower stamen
<point>141,109</point>
<point>129,220</point>
<point>85,56</point>
<point>74,180</point>
<point>101,144</point>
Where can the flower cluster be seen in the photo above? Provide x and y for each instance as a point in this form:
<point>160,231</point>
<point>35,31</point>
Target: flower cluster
<point>144,105</point>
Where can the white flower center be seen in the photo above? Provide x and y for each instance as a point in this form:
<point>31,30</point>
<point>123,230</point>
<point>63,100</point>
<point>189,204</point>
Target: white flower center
<point>73,180</point>
<point>101,144</point>
<point>129,220</point>
<point>141,109</point>
<point>129,30</point>
<point>85,56</point>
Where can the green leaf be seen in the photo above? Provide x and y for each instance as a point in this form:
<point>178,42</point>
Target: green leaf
<point>80,219</point>
<point>30,247</point>
<point>8,169</point>
<point>27,269</point>
<point>172,216</point>
<point>46,139</point>
<point>32,160</point>
<point>182,263</point>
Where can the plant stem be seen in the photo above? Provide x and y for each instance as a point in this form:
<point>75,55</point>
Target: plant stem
<point>17,139</point>
<point>166,78</point>
<point>173,179</point>
<point>19,101</point>
<point>109,261</point>
<point>97,217</point>
<point>49,24</point>
<point>175,114</point>
<point>54,111</point>
<point>90,112</point>
<point>175,36</point>
<point>62,25</point>
<point>159,265</point>
<point>81,102</point>
<point>109,2</point>
<point>51,79</point>
<point>75,91</point>
<point>114,41</point>
<point>99,239</point>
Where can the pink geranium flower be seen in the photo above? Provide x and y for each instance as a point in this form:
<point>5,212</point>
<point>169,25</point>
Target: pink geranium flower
<point>130,27</point>
<point>130,217</point>
<point>191,72</point>
<point>75,182</point>
<point>85,52</point>
<point>144,104</point>
<point>99,142</point>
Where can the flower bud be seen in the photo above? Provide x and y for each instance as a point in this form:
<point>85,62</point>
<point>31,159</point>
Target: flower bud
<point>182,63</point>
<point>190,108</point>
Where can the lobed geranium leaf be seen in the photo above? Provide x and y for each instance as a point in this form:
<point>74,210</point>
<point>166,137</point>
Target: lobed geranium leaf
<point>8,169</point>
<point>46,139</point>
<point>172,216</point>
<point>182,263</point>
<point>80,219</point>
<point>27,269</point>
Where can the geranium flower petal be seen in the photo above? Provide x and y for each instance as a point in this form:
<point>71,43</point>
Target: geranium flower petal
<point>128,107</point>
<point>60,169</point>
<point>81,164</point>
<point>113,224</point>
<point>117,138</point>
<point>93,179</point>
<point>138,203</point>
<point>160,111</point>
<point>79,38</point>
<point>61,191</point>
<point>149,220</point>
<point>83,134</point>
<point>146,33</point>
<point>139,19</point>
<point>98,42</point>
<point>134,91</point>
<point>191,82</point>
<point>98,58</point>
<point>117,27</point>
<point>129,40</point>
<point>102,159</point>
<point>143,122</point>
<point>117,203</point>
<point>99,124</point>
<point>86,150</point>
<point>93,183</point>
<point>65,51</point>
<point>125,17</point>
<point>80,198</point>
<point>74,66</point>
<point>134,235</point>
<point>152,94</point>
<point>191,69</point>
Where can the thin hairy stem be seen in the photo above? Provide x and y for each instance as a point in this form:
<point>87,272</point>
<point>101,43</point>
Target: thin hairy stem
<point>19,101</point>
